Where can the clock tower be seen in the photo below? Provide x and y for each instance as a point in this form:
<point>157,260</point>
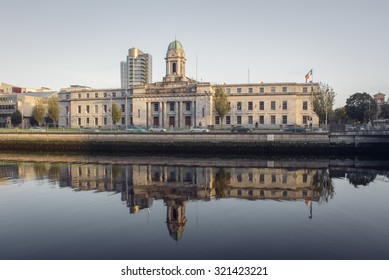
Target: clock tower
<point>175,63</point>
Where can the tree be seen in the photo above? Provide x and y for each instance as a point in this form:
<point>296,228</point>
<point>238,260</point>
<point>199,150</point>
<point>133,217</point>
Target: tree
<point>221,106</point>
<point>323,101</point>
<point>16,118</point>
<point>39,111</point>
<point>116,113</point>
<point>339,116</point>
<point>384,111</point>
<point>361,107</point>
<point>53,109</point>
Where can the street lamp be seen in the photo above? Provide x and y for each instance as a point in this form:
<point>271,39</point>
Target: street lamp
<point>110,110</point>
<point>326,100</point>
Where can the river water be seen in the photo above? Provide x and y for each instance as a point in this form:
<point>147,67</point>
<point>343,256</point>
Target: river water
<point>171,208</point>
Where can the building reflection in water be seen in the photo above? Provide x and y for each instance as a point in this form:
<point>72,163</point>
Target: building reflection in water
<point>141,184</point>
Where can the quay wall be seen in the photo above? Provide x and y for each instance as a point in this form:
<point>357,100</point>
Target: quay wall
<point>303,144</point>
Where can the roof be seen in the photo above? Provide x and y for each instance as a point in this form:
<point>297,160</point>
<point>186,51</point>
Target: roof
<point>175,45</point>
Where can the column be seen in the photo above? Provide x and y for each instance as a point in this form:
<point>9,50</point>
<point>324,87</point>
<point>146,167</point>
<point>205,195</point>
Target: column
<point>194,113</point>
<point>147,114</point>
<point>163,105</point>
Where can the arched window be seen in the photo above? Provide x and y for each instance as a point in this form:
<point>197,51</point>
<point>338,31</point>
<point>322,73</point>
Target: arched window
<point>174,68</point>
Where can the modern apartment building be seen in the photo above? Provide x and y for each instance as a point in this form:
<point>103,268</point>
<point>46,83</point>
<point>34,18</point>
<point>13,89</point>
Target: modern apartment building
<point>137,69</point>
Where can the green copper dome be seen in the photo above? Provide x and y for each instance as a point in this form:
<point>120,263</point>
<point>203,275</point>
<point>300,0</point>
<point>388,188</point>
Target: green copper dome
<point>175,45</point>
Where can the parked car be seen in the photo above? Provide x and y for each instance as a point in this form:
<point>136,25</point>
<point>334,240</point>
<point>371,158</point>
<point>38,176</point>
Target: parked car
<point>155,128</point>
<point>198,129</point>
<point>87,129</point>
<point>293,128</point>
<point>241,129</point>
<point>37,129</point>
<point>135,129</point>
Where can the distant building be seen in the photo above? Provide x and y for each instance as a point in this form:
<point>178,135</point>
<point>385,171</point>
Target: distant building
<point>379,98</point>
<point>24,102</point>
<point>137,69</point>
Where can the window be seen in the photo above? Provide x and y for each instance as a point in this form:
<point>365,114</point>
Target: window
<point>156,107</point>
<point>138,113</point>
<point>305,89</point>
<point>105,108</point>
<point>87,109</point>
<point>272,119</point>
<point>250,119</point>
<point>239,179</point>
<point>250,105</point>
<point>217,120</point>
<point>250,90</point>
<point>87,121</point>
<point>284,89</point>
<point>273,178</point>
<point>261,105</point>
<point>123,120</point>
<point>262,179</point>
<point>305,119</point>
<point>284,119</point>
<point>284,105</point>
<point>203,112</point>
<point>273,89</point>
<point>105,94</point>
<point>79,121</point>
<point>228,90</point>
<point>272,105</point>
<point>96,121</point>
<point>305,177</point>
<point>67,96</point>
<point>67,109</point>
<point>261,89</point>
<point>96,109</point>
<point>239,106</point>
<point>87,95</point>
<point>305,105</point>
<point>250,177</point>
<point>239,90</point>
<point>174,68</point>
<point>79,95</point>
<point>123,94</point>
<point>228,119</point>
<point>123,108</point>
<point>96,95</point>
<point>187,106</point>
<point>105,121</point>
<point>284,178</point>
<point>171,106</point>
<point>261,120</point>
<point>79,109</point>
<point>239,119</point>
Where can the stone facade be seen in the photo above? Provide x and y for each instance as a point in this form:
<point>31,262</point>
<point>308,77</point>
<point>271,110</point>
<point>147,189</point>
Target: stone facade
<point>86,107</point>
<point>179,102</point>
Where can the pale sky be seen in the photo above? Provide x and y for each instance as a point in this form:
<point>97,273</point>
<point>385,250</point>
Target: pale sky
<point>58,43</point>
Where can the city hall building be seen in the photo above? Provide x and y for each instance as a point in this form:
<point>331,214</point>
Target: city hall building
<point>178,102</point>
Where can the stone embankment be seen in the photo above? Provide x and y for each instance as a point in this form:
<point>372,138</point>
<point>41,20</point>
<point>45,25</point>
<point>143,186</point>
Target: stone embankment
<point>199,144</point>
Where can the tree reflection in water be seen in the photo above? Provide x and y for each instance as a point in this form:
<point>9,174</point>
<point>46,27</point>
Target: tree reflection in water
<point>360,178</point>
<point>221,182</point>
